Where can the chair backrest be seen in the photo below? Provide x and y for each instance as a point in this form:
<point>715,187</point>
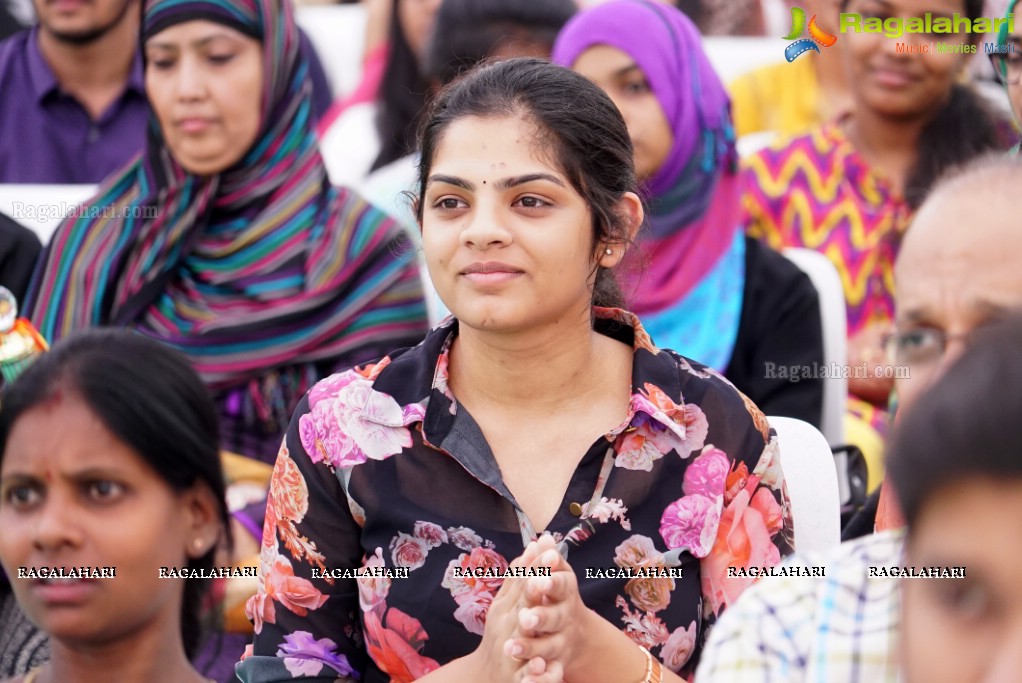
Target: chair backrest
<point>831,293</point>
<point>811,479</point>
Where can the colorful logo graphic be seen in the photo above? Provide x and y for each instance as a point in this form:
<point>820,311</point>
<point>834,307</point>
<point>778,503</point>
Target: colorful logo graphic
<point>817,36</point>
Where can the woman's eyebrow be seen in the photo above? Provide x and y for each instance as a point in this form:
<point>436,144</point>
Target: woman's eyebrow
<point>508,183</point>
<point>626,70</point>
<point>502,184</point>
<point>198,43</point>
<point>12,478</point>
<point>451,180</point>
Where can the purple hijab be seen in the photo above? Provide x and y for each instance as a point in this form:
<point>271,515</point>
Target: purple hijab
<point>693,197</point>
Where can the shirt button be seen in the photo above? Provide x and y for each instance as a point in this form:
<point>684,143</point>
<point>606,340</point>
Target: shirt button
<point>575,509</point>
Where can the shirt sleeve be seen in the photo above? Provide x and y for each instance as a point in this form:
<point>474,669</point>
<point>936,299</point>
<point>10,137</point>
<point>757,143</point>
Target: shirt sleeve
<point>306,625</point>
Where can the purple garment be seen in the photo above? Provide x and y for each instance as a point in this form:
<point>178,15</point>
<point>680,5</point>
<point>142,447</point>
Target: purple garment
<point>46,136</point>
<point>667,47</point>
<point>694,205</point>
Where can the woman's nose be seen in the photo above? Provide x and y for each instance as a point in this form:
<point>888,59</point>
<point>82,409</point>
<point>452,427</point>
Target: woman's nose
<point>485,227</point>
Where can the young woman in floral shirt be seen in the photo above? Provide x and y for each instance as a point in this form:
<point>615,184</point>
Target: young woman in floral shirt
<point>540,406</point>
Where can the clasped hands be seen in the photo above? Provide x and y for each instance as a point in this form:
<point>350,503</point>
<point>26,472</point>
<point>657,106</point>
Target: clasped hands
<point>536,625</point>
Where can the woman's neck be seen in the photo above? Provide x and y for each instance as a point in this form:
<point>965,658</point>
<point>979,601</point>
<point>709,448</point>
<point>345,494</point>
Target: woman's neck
<point>835,96</point>
<point>888,145</point>
<point>95,73</point>
<point>146,656</point>
<point>533,372</point>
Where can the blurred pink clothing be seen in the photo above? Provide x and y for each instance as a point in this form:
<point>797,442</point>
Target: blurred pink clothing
<point>372,75</point>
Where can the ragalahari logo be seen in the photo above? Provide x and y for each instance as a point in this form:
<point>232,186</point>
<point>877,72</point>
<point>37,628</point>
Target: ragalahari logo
<point>817,36</point>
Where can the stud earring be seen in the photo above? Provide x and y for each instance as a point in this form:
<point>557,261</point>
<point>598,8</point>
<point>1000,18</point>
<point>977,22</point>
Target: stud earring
<point>198,544</point>
<point>608,252</point>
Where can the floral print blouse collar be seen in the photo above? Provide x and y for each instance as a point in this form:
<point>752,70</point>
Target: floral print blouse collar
<point>422,373</point>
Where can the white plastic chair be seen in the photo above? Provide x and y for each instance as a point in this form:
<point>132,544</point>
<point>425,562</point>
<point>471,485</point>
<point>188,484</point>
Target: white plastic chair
<point>831,293</point>
<point>811,478</point>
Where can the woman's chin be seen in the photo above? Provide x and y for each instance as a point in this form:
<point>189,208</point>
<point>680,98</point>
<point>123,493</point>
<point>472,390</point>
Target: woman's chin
<point>484,322</point>
<point>492,316</point>
<point>71,629</point>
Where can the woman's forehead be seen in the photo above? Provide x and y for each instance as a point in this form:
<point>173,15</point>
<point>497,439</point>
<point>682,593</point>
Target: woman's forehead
<point>498,145</point>
<point>196,32</point>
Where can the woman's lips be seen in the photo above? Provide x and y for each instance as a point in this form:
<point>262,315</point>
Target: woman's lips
<point>492,277</point>
<point>490,272</point>
<point>194,125</point>
<point>67,5</point>
<point>892,78</point>
<point>63,592</point>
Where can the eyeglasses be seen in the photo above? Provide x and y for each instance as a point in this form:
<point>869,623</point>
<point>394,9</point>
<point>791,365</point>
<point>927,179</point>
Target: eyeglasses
<point>1007,66</point>
<point>920,347</point>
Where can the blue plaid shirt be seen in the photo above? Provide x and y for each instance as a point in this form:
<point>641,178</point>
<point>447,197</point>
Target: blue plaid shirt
<point>841,628</point>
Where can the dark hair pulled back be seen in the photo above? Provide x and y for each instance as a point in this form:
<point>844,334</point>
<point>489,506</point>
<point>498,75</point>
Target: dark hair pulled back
<point>577,122</point>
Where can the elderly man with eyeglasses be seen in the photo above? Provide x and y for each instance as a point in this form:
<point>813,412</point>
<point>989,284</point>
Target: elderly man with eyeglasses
<point>959,269</point>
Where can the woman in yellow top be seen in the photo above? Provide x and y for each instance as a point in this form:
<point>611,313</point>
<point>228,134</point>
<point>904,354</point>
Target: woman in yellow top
<point>790,98</point>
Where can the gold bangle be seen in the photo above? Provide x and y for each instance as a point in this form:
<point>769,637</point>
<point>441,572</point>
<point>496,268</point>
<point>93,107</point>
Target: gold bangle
<point>654,670</point>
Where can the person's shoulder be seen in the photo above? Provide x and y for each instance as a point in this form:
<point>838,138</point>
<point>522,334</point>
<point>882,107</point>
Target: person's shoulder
<point>405,374</point>
<point>811,142</point>
<point>693,373</point>
<point>17,235</point>
<point>761,256</point>
<point>807,575</point>
<point>882,547</point>
<point>848,565</point>
<point>771,77</point>
<point>719,400</point>
<point>361,376</point>
<point>13,50</point>
<point>16,43</point>
<point>670,371</point>
<point>769,266</point>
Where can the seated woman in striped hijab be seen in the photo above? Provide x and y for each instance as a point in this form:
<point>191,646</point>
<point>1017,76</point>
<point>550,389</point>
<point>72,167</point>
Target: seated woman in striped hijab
<point>225,239</point>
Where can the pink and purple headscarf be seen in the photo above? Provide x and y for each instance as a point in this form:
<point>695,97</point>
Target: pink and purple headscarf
<point>693,200</point>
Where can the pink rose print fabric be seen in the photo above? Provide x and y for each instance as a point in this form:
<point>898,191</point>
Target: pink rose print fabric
<point>388,526</point>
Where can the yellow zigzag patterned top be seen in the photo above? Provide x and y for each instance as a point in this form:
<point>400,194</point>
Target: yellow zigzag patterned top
<point>815,191</point>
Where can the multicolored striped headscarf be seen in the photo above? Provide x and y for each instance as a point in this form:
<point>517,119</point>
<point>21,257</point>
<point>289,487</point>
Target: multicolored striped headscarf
<point>694,203</point>
<point>1002,33</point>
<point>262,266</point>
<point>1002,40</point>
